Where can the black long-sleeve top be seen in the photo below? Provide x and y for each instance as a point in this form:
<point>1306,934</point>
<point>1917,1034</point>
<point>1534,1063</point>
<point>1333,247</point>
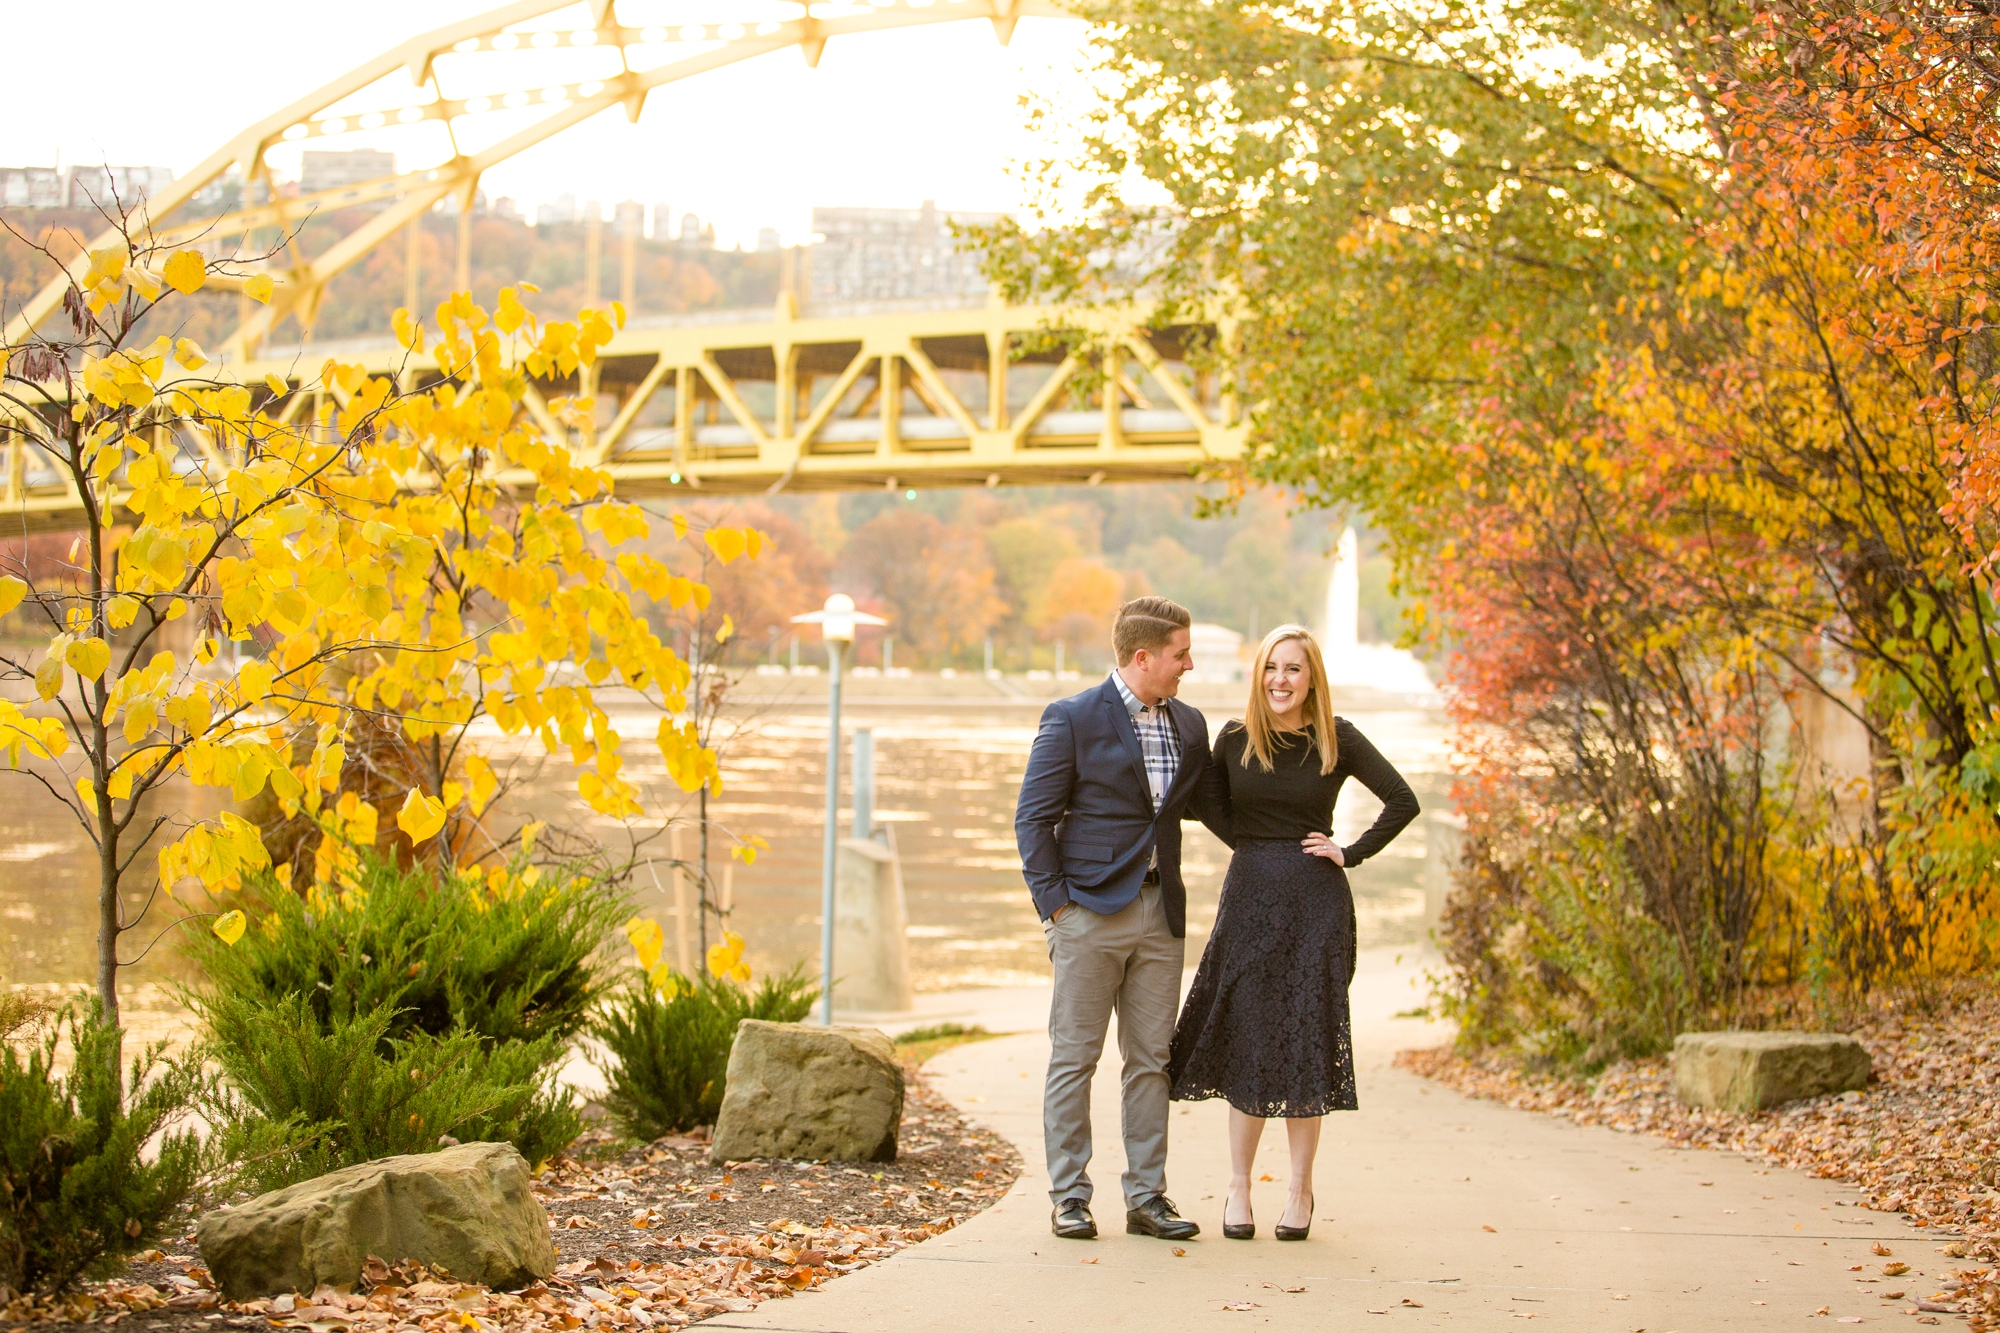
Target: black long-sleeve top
<point>1295,798</point>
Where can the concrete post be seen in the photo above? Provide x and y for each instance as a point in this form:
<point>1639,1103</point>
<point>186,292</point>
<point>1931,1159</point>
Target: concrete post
<point>864,782</point>
<point>871,929</point>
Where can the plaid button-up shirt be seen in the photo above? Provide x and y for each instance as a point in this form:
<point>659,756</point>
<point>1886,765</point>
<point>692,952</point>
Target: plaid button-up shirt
<point>1157,740</point>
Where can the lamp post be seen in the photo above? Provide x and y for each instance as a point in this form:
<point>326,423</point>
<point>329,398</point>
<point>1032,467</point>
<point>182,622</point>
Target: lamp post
<point>836,623</point>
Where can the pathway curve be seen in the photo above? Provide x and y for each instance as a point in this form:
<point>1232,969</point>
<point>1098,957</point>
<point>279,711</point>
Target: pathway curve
<point>1434,1211</point>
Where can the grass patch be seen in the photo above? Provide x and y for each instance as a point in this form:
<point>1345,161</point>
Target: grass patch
<point>920,1044</point>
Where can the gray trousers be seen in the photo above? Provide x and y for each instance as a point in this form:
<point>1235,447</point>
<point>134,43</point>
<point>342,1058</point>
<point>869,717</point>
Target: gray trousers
<point>1131,963</point>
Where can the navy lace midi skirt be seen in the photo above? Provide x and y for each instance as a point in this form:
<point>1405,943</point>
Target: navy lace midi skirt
<point>1266,1022</point>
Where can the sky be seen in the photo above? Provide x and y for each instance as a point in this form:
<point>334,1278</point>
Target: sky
<point>887,119</point>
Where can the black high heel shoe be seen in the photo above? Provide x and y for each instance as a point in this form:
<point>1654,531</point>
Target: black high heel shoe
<point>1283,1232</point>
<point>1236,1230</point>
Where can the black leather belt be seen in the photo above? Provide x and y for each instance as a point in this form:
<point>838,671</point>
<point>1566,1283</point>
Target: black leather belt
<point>1152,876</point>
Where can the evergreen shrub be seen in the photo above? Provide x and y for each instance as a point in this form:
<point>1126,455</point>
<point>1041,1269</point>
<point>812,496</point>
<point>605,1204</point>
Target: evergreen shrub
<point>300,1097</point>
<point>405,1010</point>
<point>668,1046</point>
<point>509,958</point>
<point>79,1186</point>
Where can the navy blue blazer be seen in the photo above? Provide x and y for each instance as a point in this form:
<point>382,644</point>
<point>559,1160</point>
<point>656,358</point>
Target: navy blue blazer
<point>1085,823</point>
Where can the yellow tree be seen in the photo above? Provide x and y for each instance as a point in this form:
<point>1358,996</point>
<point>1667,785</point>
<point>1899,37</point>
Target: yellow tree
<point>244,586</point>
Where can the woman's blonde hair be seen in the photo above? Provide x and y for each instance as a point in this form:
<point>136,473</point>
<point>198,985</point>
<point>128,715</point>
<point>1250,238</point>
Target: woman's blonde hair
<point>1262,724</point>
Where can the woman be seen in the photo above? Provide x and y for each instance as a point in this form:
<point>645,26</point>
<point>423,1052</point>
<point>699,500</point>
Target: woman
<point>1266,1024</point>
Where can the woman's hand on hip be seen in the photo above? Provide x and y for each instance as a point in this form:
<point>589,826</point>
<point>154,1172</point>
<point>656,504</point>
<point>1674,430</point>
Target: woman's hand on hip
<point>1318,844</point>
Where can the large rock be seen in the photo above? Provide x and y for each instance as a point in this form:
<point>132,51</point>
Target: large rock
<point>825,1093</point>
<point>1747,1071</point>
<point>468,1210</point>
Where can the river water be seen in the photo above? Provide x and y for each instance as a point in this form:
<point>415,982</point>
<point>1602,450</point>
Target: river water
<point>949,758</point>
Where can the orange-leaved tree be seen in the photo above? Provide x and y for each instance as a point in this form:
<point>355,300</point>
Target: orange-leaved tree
<point>250,581</point>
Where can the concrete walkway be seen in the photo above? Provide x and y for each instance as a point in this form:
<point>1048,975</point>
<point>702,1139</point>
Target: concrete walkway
<point>1433,1211</point>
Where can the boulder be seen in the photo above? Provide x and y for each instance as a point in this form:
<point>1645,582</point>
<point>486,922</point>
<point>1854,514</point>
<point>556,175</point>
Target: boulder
<point>468,1210</point>
<point>825,1093</point>
<point>1747,1071</point>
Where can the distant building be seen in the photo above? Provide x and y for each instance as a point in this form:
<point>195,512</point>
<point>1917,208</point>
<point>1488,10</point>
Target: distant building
<point>32,187</point>
<point>867,254</point>
<point>592,211</point>
<point>694,236</point>
<point>94,187</point>
<point>505,209</point>
<point>325,170</point>
<point>663,222</point>
<point>562,210</point>
<point>767,239</point>
<point>628,218</point>
<point>80,187</point>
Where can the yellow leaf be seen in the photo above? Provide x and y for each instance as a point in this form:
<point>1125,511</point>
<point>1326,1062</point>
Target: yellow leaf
<point>409,333</point>
<point>185,272</point>
<point>204,652</point>
<point>229,926</point>
<point>258,288</point>
<point>647,941</point>
<point>189,355</point>
<point>49,676</point>
<point>86,791</point>
<point>421,816</point>
<point>276,385</point>
<point>511,313</point>
<point>484,783</point>
<point>728,628</point>
<point>89,657</point>
<point>121,610</point>
<point>12,590</point>
<point>253,682</point>
<point>727,543</point>
<point>528,834</point>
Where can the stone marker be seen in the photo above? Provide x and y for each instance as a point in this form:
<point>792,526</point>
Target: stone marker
<point>828,1094</point>
<point>1747,1071</point>
<point>468,1210</point>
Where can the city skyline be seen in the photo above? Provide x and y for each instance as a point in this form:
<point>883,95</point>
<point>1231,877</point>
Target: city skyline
<point>861,86</point>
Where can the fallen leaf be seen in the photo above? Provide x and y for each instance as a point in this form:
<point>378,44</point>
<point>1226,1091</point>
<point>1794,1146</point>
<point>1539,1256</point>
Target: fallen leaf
<point>1267,1177</point>
<point>1087,1261</point>
<point>1241,1305</point>
<point>1879,1248</point>
<point>1494,1230</point>
<point>1179,1253</point>
<point>1896,1269</point>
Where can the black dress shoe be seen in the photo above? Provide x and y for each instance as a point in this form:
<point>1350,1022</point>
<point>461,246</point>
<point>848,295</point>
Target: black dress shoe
<point>1157,1217</point>
<point>1283,1232</point>
<point>1071,1220</point>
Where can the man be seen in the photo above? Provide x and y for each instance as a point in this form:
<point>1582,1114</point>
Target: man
<point>1111,774</point>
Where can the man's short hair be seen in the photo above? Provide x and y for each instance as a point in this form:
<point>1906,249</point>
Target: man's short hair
<point>1149,623</point>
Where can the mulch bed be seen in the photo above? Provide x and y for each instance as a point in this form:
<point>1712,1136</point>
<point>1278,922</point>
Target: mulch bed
<point>652,1237</point>
<point>1923,1140</point>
